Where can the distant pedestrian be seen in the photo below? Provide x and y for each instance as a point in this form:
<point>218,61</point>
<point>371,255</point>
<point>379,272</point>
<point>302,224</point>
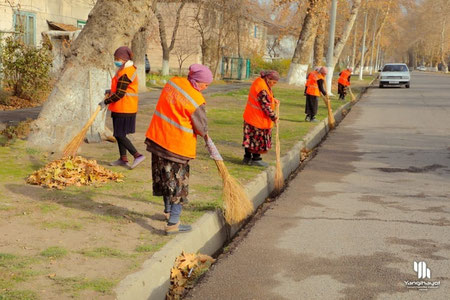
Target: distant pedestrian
<point>344,82</point>
<point>122,101</point>
<point>259,118</point>
<point>314,87</point>
<point>180,116</point>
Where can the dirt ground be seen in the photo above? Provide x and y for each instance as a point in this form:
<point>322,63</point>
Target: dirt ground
<point>81,241</point>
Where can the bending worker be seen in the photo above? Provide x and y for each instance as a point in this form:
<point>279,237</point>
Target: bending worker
<point>314,87</point>
<point>259,117</point>
<point>179,117</point>
<point>122,101</point>
<point>344,82</point>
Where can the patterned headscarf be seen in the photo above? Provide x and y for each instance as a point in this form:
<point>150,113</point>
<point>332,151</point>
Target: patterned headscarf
<point>270,75</point>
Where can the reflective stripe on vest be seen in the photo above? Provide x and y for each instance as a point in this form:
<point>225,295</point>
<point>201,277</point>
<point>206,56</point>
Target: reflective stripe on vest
<point>312,87</point>
<point>171,126</point>
<point>343,79</point>
<point>129,102</point>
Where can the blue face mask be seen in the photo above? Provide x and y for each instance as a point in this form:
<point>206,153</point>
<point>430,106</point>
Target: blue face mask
<point>118,63</point>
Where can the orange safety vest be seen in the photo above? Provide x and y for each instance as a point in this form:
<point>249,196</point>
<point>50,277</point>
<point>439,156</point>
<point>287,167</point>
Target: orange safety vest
<point>129,102</point>
<point>171,125</point>
<point>312,87</point>
<point>253,113</point>
<point>343,79</point>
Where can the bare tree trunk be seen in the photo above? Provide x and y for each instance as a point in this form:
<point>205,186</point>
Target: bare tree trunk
<point>373,44</point>
<point>354,48</point>
<point>319,42</point>
<point>443,60</point>
<point>302,53</point>
<point>70,103</point>
<point>139,47</point>
<point>163,36</point>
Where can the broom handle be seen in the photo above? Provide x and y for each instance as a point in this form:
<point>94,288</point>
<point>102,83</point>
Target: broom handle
<point>92,118</point>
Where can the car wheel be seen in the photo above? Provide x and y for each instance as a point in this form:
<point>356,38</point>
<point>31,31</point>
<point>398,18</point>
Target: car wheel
<point>407,86</point>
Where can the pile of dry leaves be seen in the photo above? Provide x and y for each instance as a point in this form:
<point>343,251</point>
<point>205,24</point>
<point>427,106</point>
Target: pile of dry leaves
<point>69,171</point>
<point>187,269</point>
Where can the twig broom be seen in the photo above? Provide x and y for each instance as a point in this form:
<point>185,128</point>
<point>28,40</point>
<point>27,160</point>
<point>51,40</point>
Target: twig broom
<point>237,205</point>
<point>72,147</point>
<point>351,93</point>
<point>279,180</point>
<point>331,121</point>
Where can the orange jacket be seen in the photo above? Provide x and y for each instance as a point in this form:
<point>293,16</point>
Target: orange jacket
<point>343,79</point>
<point>129,102</point>
<point>171,126</point>
<point>312,87</point>
<point>253,113</point>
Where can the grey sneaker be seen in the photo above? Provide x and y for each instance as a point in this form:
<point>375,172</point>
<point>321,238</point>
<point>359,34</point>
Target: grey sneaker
<point>119,162</point>
<point>314,120</point>
<point>177,228</point>
<point>137,161</point>
<point>259,163</point>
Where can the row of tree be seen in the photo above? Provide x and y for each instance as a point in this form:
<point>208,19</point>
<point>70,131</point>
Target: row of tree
<point>368,32</point>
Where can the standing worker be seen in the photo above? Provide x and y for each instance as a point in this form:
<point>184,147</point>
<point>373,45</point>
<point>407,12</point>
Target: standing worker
<point>344,82</point>
<point>180,116</point>
<point>122,101</point>
<point>314,87</point>
<point>259,117</point>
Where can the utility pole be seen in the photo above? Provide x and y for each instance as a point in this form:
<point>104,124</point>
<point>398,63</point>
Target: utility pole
<point>330,52</point>
<point>377,60</point>
<point>354,46</point>
<point>373,43</point>
<point>363,50</point>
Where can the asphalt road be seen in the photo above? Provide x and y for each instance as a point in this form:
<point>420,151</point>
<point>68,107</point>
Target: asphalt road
<point>374,199</point>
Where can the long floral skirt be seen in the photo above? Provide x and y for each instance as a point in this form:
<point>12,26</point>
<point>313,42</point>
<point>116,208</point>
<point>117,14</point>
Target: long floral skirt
<point>257,140</point>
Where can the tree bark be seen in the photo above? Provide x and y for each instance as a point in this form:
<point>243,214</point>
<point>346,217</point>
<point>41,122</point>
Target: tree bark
<point>139,47</point>
<point>319,42</point>
<point>443,60</point>
<point>302,53</point>
<point>71,101</point>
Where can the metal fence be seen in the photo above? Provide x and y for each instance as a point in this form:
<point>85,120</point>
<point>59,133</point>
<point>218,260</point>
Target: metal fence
<point>235,68</point>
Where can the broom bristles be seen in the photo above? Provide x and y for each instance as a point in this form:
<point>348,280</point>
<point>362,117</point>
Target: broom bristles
<point>237,205</point>
<point>72,147</point>
<point>279,180</point>
<point>351,94</point>
<point>331,120</point>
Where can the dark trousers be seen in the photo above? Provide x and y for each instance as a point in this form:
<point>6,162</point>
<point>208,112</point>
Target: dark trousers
<point>125,144</point>
<point>311,105</point>
<point>342,91</point>
<point>250,155</point>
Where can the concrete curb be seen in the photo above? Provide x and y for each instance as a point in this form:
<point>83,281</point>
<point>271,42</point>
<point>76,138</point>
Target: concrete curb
<point>210,232</point>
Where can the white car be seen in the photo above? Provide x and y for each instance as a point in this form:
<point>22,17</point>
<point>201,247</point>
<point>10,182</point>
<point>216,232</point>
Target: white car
<point>421,68</point>
<point>395,74</point>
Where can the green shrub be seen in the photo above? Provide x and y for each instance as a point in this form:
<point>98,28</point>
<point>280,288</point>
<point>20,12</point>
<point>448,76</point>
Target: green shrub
<point>279,65</point>
<point>26,69</point>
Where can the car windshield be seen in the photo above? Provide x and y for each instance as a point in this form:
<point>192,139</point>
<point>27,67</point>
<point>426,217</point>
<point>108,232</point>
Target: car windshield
<point>395,68</point>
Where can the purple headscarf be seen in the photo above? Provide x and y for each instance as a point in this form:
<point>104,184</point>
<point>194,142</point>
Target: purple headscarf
<point>199,73</point>
<point>270,75</point>
<point>124,53</point>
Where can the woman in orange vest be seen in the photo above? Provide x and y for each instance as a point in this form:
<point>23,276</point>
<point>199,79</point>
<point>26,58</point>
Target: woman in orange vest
<point>344,82</point>
<point>259,117</point>
<point>179,117</point>
<point>122,101</point>
<point>314,87</point>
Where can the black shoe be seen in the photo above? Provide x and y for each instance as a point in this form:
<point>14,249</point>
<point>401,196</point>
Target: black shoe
<point>246,161</point>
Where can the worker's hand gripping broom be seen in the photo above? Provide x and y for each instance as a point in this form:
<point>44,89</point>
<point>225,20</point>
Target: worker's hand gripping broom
<point>72,147</point>
<point>279,180</point>
<point>237,205</point>
<point>331,121</point>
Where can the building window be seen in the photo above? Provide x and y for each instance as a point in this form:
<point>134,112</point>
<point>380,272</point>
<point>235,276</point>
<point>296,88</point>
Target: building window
<point>81,24</point>
<point>25,23</point>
